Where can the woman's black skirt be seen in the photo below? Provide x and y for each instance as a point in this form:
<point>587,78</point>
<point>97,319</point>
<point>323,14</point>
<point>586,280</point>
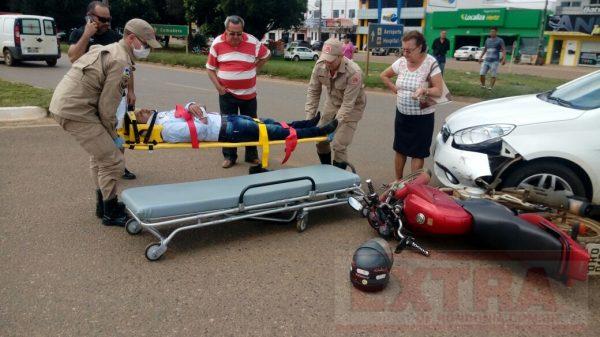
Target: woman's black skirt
<point>412,134</point>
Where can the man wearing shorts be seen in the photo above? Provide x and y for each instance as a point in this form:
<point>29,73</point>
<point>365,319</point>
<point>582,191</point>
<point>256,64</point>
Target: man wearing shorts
<point>493,46</point>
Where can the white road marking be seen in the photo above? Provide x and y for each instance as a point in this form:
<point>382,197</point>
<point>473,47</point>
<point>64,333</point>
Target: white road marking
<point>189,86</point>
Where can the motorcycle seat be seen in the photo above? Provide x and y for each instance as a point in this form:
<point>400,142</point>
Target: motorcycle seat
<point>498,227</point>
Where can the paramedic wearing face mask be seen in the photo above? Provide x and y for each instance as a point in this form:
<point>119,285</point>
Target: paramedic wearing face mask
<point>97,32</point>
<point>84,105</point>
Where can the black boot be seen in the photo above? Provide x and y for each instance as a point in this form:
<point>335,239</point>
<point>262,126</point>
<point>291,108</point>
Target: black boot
<point>341,165</point>
<point>99,205</point>
<point>325,158</point>
<point>306,123</point>
<point>128,175</point>
<point>114,213</point>
<point>329,127</point>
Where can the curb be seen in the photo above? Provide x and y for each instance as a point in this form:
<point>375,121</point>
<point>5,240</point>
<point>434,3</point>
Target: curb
<point>22,113</point>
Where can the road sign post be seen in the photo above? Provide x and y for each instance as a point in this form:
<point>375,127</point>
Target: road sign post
<point>173,30</point>
<point>383,36</point>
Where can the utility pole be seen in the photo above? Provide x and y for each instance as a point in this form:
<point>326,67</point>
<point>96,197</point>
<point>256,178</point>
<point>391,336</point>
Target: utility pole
<point>320,4</point>
<point>539,60</point>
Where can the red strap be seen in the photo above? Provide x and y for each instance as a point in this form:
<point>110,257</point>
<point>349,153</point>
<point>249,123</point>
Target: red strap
<point>290,141</point>
<point>181,112</point>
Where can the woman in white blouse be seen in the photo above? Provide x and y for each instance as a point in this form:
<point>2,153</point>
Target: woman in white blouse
<point>418,78</point>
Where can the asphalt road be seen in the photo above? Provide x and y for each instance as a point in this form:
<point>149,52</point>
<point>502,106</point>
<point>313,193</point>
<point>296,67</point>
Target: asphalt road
<point>64,274</point>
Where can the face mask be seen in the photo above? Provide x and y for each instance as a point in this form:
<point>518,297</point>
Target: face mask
<point>141,53</point>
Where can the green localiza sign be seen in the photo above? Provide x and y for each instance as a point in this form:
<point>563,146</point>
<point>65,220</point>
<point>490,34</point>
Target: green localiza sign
<point>481,17</point>
<point>171,30</point>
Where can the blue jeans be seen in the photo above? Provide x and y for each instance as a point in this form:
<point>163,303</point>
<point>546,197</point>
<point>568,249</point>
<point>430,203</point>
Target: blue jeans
<point>245,129</point>
<point>441,60</point>
<point>231,105</point>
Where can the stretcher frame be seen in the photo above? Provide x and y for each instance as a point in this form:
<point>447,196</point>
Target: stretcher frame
<point>299,206</point>
<point>134,141</point>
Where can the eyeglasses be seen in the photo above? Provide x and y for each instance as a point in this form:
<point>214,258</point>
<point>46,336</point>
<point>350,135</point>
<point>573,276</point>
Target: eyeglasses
<point>144,44</point>
<point>235,33</point>
<point>408,51</point>
<point>103,19</point>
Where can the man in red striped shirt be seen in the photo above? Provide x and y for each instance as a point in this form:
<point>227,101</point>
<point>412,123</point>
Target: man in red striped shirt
<point>233,62</point>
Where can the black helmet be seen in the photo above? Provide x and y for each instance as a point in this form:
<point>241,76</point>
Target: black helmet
<point>371,265</point>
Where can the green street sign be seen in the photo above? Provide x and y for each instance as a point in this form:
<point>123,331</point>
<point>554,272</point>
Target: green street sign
<point>171,30</point>
<point>481,17</point>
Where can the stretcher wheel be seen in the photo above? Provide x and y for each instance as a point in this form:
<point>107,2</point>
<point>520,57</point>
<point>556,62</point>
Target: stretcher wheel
<point>133,227</point>
<point>302,222</point>
<point>154,251</point>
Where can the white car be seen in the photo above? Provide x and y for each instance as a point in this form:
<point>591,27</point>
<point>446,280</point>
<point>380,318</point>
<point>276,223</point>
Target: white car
<point>466,53</point>
<point>550,140</point>
<point>478,53</point>
<point>28,38</point>
<point>300,53</point>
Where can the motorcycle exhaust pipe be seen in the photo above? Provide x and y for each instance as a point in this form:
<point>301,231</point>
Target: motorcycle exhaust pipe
<point>562,200</point>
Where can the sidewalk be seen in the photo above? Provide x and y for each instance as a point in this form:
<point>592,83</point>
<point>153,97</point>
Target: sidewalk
<point>552,70</point>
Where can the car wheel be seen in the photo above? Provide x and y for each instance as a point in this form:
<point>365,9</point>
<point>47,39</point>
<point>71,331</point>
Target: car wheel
<point>470,58</point>
<point>551,176</point>
<point>8,58</point>
<point>296,58</point>
<point>51,63</point>
<point>315,58</point>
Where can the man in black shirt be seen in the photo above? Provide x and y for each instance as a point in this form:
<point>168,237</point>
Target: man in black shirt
<point>440,47</point>
<point>97,32</point>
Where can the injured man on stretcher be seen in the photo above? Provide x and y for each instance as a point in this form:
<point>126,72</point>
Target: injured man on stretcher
<point>213,127</point>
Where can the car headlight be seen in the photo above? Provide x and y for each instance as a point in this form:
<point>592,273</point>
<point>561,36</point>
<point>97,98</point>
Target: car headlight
<point>482,133</point>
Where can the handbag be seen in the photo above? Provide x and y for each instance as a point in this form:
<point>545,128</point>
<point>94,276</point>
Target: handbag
<point>429,101</point>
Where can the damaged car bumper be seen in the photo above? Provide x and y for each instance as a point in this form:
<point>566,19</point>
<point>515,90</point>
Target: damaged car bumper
<point>460,166</point>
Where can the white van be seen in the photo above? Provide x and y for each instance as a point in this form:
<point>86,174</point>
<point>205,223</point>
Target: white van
<point>28,38</point>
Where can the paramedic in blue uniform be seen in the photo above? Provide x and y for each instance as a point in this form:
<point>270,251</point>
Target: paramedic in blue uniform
<point>84,105</point>
<point>213,127</point>
<point>97,32</point>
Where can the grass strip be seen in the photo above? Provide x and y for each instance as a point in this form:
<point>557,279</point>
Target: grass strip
<point>17,94</point>
<point>460,83</point>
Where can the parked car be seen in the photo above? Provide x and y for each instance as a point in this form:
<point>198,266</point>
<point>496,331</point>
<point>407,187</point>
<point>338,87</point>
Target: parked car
<point>62,36</point>
<point>466,53</point>
<point>28,38</point>
<point>316,45</point>
<point>297,44</point>
<point>300,53</point>
<point>478,53</point>
<point>549,140</point>
<point>385,51</point>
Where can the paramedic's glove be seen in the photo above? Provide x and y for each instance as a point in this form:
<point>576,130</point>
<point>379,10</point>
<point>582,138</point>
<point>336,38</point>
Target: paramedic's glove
<point>119,142</point>
<point>331,136</point>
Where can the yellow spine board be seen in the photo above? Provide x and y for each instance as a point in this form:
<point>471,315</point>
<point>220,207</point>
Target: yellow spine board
<point>263,140</point>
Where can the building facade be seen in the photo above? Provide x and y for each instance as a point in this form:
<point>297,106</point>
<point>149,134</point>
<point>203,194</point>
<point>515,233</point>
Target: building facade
<point>468,22</point>
<point>336,18</point>
<point>574,34</point>
<point>410,13</point>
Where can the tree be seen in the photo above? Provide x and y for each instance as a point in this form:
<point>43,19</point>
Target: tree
<point>52,8</point>
<point>260,16</point>
<point>70,13</point>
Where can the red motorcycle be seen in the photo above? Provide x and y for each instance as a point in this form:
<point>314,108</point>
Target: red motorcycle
<point>413,207</point>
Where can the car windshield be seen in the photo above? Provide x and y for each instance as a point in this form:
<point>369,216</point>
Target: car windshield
<point>582,94</point>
